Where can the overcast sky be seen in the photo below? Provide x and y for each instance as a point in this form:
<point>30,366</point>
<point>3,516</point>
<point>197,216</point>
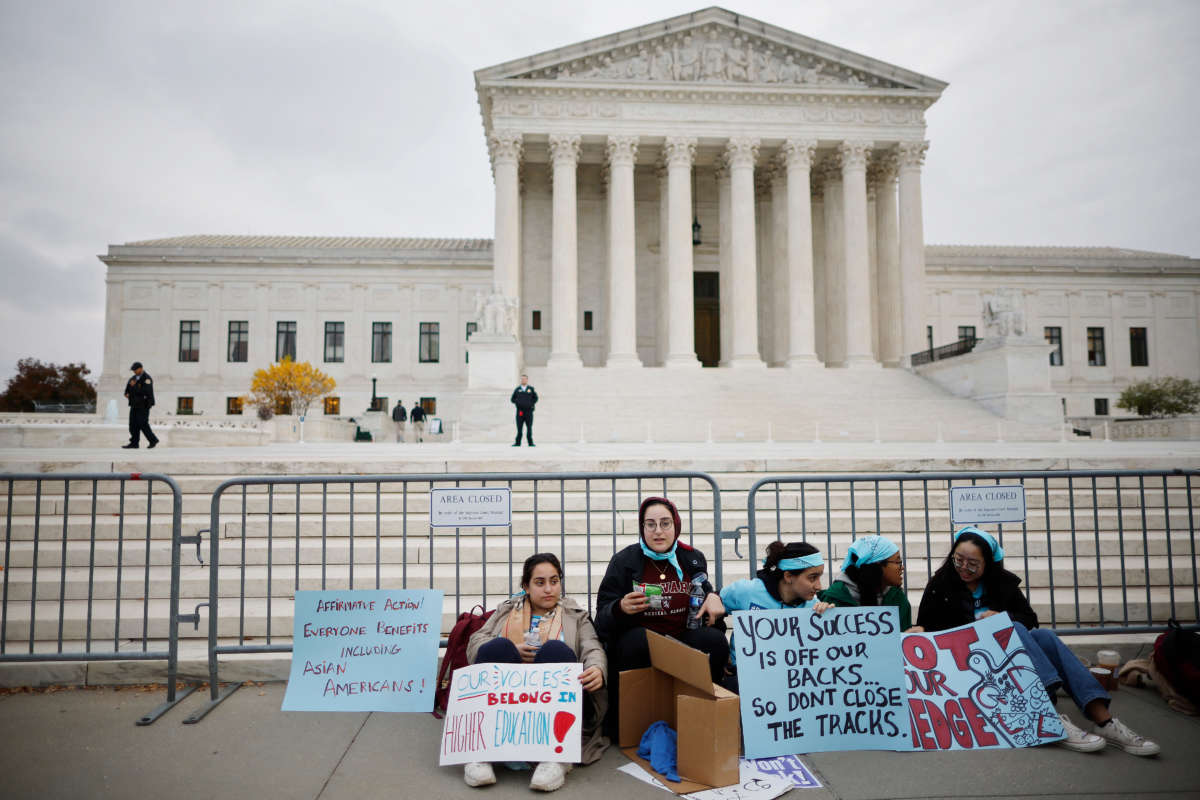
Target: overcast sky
<point>1065,123</point>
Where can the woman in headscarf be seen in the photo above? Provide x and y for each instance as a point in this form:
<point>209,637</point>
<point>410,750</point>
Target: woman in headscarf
<point>539,625</point>
<point>872,574</point>
<point>647,586</point>
<point>790,578</point>
<point>973,584</point>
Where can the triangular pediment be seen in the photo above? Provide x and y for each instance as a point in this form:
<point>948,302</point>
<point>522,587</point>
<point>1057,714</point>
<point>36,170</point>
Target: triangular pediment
<point>708,47</point>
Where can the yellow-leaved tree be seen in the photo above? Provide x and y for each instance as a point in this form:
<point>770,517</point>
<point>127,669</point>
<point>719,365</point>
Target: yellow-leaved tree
<point>289,387</point>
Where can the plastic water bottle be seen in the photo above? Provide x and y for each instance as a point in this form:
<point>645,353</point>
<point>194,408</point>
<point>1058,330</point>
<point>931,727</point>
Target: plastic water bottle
<point>695,600</point>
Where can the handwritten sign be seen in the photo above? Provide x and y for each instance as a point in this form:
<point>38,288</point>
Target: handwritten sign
<point>513,712</point>
<point>979,504</point>
<point>364,650</point>
<point>753,783</point>
<point>789,767</point>
<point>814,683</point>
<point>975,687</point>
<point>467,508</point>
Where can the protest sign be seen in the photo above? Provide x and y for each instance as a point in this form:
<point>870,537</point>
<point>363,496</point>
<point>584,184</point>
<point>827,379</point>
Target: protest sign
<point>364,650</point>
<point>467,508</point>
<point>975,687</point>
<point>753,783</point>
<point>814,683</point>
<point>789,767</point>
<point>513,712</point>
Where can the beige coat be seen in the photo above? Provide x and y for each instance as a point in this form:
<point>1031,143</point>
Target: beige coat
<point>580,635</point>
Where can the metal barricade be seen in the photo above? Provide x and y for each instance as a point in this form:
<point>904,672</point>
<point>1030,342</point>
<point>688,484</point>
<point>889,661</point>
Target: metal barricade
<point>1099,551</point>
<point>273,536</point>
<point>82,580</point>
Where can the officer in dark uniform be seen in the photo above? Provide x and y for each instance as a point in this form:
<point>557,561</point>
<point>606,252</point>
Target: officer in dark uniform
<point>524,398</point>
<point>140,391</point>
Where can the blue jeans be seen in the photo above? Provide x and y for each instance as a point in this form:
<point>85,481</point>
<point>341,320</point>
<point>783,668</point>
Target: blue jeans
<point>503,651</point>
<point>1057,666</point>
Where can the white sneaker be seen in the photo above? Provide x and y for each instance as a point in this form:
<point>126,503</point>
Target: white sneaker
<point>1078,739</point>
<point>479,773</point>
<point>1118,735</point>
<point>549,776</point>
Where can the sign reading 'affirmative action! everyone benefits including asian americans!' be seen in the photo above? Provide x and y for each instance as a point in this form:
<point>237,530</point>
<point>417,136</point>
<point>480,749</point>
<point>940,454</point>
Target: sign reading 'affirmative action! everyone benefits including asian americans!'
<point>364,650</point>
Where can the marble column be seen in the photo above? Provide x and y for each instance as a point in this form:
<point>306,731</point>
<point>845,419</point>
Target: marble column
<point>622,286</point>
<point>857,322</point>
<point>741,153</point>
<point>835,264</point>
<point>661,311</point>
<point>679,152</point>
<point>564,255</point>
<point>505,149</point>
<point>817,196</point>
<point>887,249</point>
<point>801,332</point>
<point>725,275</point>
<point>776,347</point>
<point>912,248</point>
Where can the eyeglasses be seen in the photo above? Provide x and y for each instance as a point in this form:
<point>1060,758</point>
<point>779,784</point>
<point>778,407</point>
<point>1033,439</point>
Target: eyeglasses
<point>899,562</point>
<point>970,564</point>
<point>664,525</point>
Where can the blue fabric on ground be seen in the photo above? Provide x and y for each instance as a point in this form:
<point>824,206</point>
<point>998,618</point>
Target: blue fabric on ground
<point>659,748</point>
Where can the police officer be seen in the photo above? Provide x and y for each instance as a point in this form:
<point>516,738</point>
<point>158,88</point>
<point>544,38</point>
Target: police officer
<point>140,391</point>
<point>524,398</point>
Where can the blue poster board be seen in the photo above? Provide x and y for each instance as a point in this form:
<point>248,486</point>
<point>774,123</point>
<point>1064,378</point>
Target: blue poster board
<point>813,683</point>
<point>364,650</point>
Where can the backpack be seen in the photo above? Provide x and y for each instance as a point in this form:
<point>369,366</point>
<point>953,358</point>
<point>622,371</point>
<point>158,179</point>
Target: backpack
<point>456,653</point>
<point>1177,658</point>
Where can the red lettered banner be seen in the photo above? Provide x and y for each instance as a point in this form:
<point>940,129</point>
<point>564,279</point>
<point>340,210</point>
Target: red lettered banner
<point>975,687</point>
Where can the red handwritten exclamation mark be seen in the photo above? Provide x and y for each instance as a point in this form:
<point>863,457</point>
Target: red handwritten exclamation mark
<point>563,721</point>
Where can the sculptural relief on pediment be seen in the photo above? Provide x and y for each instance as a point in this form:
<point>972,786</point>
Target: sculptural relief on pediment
<point>715,54</point>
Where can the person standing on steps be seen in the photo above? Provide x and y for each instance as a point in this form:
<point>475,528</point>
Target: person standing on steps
<point>140,391</point>
<point>524,397</point>
<point>399,415</point>
<point>417,415</point>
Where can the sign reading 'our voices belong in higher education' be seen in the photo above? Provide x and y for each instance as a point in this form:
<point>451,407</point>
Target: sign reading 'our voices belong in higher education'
<point>481,507</point>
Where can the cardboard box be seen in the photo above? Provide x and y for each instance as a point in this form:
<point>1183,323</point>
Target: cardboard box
<point>678,688</point>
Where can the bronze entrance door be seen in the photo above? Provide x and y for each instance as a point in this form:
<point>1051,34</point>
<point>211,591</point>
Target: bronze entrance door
<point>706,293</point>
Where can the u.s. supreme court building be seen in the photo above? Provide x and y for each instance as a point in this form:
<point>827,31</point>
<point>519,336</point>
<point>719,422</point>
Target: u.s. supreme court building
<point>705,194</point>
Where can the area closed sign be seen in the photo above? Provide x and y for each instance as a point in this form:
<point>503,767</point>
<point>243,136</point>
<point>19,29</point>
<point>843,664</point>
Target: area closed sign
<point>976,504</point>
<point>466,508</point>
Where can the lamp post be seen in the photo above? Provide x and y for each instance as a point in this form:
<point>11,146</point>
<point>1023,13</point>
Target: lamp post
<point>374,397</point>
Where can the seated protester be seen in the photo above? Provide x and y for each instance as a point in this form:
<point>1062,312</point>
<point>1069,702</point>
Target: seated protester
<point>646,587</point>
<point>790,578</point>
<point>973,584</point>
<point>540,626</point>
<point>872,574</point>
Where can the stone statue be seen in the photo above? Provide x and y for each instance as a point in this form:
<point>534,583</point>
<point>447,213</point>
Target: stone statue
<point>1002,314</point>
<point>496,314</point>
<point>687,67</point>
<point>737,66</point>
<point>765,68</point>
<point>789,72</point>
<point>662,67</point>
<point>713,58</point>
<point>639,65</point>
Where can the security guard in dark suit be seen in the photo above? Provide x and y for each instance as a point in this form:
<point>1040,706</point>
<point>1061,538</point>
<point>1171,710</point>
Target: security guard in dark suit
<point>140,391</point>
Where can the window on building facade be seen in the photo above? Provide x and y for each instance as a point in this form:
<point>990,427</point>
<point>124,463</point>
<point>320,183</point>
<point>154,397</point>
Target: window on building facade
<point>966,333</point>
<point>381,342</point>
<point>471,328</point>
<point>1054,339</point>
<point>379,403</point>
<point>1139,351</point>
<point>429,352</point>
<point>333,406</point>
<point>233,405</point>
<point>283,405</point>
<point>189,340</point>
<point>335,342</point>
<point>536,322</point>
<point>185,405</point>
<point>1101,404</point>
<point>587,320</point>
<point>239,340</point>
<point>429,406</point>
<point>285,341</point>
<point>1095,341</point>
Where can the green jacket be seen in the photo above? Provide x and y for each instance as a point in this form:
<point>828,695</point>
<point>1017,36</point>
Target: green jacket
<point>839,593</point>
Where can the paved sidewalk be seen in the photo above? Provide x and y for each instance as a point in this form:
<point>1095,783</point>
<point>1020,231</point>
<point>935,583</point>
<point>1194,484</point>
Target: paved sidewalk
<point>84,744</point>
